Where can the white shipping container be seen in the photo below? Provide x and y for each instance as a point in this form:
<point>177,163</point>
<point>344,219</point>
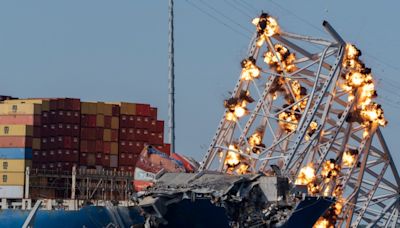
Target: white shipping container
<point>11,192</point>
<point>140,174</point>
<point>113,161</point>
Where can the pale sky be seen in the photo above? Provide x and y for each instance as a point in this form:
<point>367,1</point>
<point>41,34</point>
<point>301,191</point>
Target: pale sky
<point>117,51</point>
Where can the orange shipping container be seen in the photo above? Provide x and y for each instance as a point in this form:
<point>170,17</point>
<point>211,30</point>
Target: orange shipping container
<point>15,141</point>
<point>21,119</point>
<point>114,123</point>
<point>128,108</point>
<point>107,135</point>
<point>114,148</point>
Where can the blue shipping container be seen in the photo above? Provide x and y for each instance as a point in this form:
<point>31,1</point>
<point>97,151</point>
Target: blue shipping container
<point>15,153</point>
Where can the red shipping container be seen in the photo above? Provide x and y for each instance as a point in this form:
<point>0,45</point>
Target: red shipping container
<point>75,143</point>
<point>53,116</point>
<point>143,109</point>
<point>99,133</point>
<point>141,135</point>
<point>88,133</point>
<point>99,146</point>
<point>15,141</point>
<point>45,117</point>
<point>107,121</point>
<point>68,129</point>
<point>99,159</point>
<point>60,104</point>
<point>53,104</point>
<point>84,146</point>
<point>159,126</point>
<point>21,119</point>
<point>76,130</point>
<point>156,138</point>
<point>68,103</point>
<point>123,121</point>
<point>114,135</point>
<point>82,158</point>
<point>67,142</point>
<point>142,122</point>
<point>166,148</point>
<point>126,121</point>
<point>36,132</point>
<point>77,117</point>
<point>88,120</point>
<point>115,110</point>
<point>153,113</point>
<point>76,104</point>
<point>91,146</point>
<point>123,133</point>
<point>107,147</point>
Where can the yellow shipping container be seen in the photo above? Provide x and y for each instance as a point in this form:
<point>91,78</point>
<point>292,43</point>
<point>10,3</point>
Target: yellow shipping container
<point>45,103</point>
<point>128,108</point>
<point>114,122</point>
<point>88,108</point>
<point>14,165</point>
<point>114,148</point>
<point>100,107</point>
<point>107,109</point>
<point>18,109</point>
<point>99,120</point>
<point>36,142</point>
<point>9,178</point>
<point>107,135</point>
<point>16,130</point>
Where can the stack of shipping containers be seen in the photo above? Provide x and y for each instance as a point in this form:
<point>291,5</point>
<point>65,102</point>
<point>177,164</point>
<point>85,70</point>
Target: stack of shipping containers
<point>60,131</point>
<point>138,127</point>
<point>19,124</point>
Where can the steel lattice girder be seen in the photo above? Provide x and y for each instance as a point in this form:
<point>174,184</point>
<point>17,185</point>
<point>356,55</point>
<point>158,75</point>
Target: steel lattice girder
<point>370,189</point>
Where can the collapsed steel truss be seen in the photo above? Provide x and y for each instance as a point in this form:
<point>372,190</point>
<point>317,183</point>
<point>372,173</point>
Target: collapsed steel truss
<point>370,187</point>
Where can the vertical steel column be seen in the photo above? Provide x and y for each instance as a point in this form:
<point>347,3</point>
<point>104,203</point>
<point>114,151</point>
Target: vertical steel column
<point>171,79</point>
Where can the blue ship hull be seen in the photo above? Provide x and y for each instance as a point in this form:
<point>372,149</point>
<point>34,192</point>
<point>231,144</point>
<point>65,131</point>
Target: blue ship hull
<point>90,216</point>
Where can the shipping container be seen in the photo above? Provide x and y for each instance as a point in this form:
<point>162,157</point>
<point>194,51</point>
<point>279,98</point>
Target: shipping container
<point>113,161</point>
<point>21,119</point>
<point>16,130</point>
<point>89,108</point>
<point>142,110</point>
<point>115,110</point>
<point>20,109</point>
<point>14,165</point>
<point>114,123</point>
<point>36,143</point>
<point>107,147</point>
<point>44,103</point>
<point>15,153</point>
<point>153,113</point>
<point>142,122</point>
<point>127,108</point>
<point>108,109</point>
<point>114,148</point>
<point>12,192</point>
<point>114,135</point>
<point>12,178</point>
<point>15,141</point>
<point>100,120</point>
<point>107,121</point>
<point>107,135</point>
